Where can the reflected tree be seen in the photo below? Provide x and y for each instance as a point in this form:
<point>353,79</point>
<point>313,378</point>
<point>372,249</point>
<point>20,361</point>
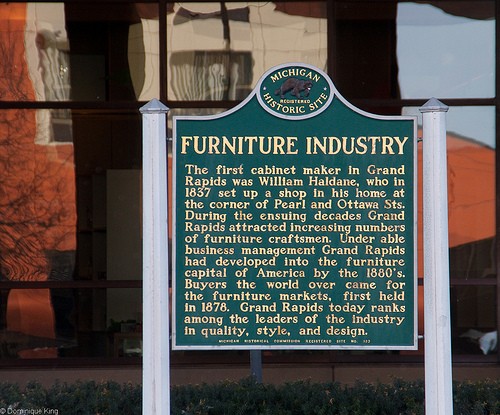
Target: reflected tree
<point>37,190</point>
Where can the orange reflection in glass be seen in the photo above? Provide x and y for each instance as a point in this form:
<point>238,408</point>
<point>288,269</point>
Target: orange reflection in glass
<point>37,197</point>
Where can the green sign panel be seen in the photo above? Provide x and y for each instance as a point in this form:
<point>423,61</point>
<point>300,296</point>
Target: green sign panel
<point>294,222</point>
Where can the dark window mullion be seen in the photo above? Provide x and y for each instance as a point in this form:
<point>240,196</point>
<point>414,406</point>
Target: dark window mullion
<point>497,170</point>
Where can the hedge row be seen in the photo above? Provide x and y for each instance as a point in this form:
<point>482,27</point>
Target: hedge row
<point>247,398</point>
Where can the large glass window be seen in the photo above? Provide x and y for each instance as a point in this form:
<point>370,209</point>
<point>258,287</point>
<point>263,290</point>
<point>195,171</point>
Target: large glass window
<point>446,49</point>
<point>460,65</point>
<point>70,239</point>
<point>80,52</point>
<point>72,79</point>
<point>218,51</point>
<point>390,54</point>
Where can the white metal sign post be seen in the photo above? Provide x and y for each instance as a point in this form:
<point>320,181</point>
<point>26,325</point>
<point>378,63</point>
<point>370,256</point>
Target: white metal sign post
<point>156,353</point>
<point>438,372</point>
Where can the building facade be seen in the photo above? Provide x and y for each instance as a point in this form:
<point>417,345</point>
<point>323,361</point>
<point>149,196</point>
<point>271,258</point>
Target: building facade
<point>73,77</point>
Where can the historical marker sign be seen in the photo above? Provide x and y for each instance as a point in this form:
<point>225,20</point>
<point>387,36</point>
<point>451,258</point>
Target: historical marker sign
<point>295,222</point>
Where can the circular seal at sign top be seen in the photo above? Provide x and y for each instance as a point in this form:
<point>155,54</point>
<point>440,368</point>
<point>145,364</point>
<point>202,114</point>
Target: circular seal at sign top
<point>295,91</point>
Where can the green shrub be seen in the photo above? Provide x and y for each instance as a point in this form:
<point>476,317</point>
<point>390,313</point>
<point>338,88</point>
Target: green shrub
<point>247,397</point>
